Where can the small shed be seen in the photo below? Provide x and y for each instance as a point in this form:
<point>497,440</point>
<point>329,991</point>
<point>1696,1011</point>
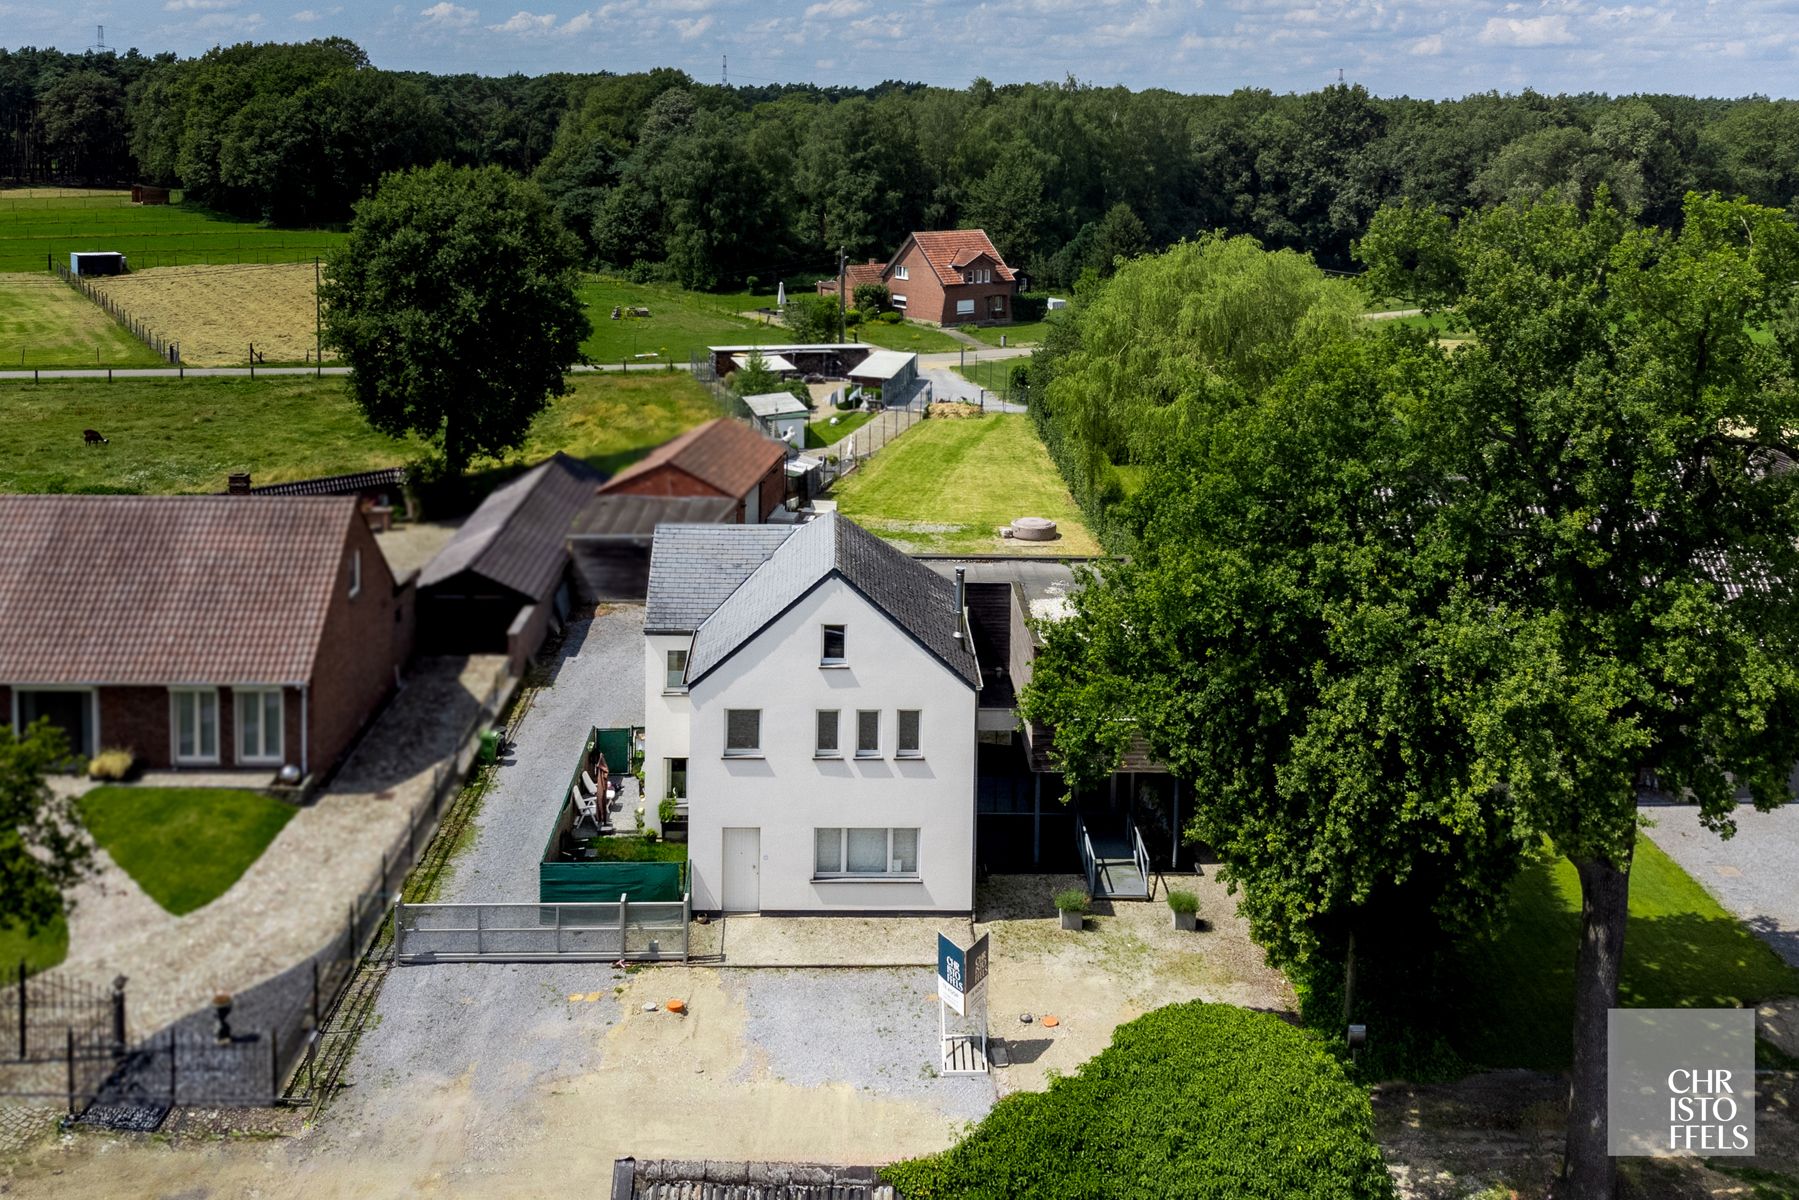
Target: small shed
<point>149,193</point>
<point>96,262</point>
<point>782,416</point>
<point>895,372</point>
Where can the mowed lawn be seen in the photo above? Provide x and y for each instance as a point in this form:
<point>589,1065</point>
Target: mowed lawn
<point>46,226</point>
<point>995,374</point>
<point>1023,333</point>
<point>1681,950</point>
<point>169,435</point>
<point>184,846</point>
<point>681,323</point>
<point>946,485</point>
<point>919,339</point>
<point>46,323</point>
<point>40,951</point>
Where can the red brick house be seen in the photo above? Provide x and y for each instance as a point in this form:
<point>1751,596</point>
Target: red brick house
<point>942,277</point>
<point>720,458</point>
<point>212,632</point>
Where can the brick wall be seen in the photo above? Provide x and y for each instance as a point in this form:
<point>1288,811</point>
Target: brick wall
<point>361,646</point>
<point>934,303</point>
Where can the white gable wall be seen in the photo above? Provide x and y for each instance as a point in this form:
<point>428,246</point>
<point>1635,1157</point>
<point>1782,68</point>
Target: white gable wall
<point>787,793</point>
<point>664,724</point>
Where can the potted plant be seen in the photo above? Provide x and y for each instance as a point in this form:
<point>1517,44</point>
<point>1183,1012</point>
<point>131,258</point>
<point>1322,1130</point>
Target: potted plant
<point>1072,904</point>
<point>1185,906</point>
<point>665,811</point>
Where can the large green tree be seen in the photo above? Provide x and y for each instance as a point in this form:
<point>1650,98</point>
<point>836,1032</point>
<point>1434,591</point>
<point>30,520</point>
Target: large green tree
<point>43,851</point>
<point>454,302</point>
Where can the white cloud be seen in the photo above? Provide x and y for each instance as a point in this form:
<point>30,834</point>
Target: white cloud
<point>197,5</point>
<point>526,22</point>
<point>1526,31</point>
<point>692,27</point>
<point>581,22</point>
<point>445,15</point>
<point>1427,47</point>
<point>838,8</point>
<point>307,16</point>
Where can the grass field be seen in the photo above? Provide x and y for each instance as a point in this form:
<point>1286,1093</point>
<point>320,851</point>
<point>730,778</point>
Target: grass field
<point>46,323</point>
<point>188,435</point>
<point>919,339</point>
<point>680,324</point>
<point>42,951</point>
<point>820,434</point>
<point>215,314</point>
<point>184,846</point>
<point>1681,950</point>
<point>945,486</point>
<point>995,374</point>
<point>48,225</point>
<point>1024,333</point>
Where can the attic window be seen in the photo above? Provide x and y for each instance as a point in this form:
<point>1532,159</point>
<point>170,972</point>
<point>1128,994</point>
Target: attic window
<point>834,646</point>
<point>900,273</point>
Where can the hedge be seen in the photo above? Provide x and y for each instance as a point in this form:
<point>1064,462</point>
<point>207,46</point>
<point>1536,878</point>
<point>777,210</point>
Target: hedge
<point>1199,1100</point>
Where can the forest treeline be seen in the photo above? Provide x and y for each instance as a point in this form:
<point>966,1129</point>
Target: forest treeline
<point>666,177</point>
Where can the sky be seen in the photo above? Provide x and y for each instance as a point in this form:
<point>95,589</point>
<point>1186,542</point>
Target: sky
<point>1393,47</point>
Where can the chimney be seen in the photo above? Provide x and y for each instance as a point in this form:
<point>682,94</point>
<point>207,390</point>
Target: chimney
<point>238,483</point>
<point>961,600</point>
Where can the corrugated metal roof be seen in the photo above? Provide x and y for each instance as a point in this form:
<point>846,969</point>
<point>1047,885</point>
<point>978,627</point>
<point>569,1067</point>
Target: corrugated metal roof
<point>517,537</point>
<point>915,597</point>
<point>694,568</point>
<point>639,516</point>
<point>775,404</point>
<point>883,364</point>
<point>155,590</point>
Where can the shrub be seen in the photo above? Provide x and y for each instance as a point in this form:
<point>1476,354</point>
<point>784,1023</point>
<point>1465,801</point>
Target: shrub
<point>112,764</point>
<point>1030,306</point>
<point>871,297</point>
<point>1183,902</point>
<point>891,318</point>
<point>665,811</point>
<point>1194,1099</point>
<point>968,328</point>
<point>1071,900</point>
<point>854,316</point>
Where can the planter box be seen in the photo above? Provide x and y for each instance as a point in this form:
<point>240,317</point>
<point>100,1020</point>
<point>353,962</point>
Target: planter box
<point>1073,920</point>
<point>1186,922</point>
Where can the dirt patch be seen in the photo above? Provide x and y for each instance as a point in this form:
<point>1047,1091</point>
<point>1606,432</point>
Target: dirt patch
<point>215,313</point>
<point>954,410</point>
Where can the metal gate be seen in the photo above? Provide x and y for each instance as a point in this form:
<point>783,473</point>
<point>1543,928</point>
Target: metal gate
<point>621,930</point>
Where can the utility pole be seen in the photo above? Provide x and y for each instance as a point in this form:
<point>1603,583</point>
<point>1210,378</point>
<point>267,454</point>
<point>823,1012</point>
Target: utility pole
<point>318,324</point>
<point>842,269</point>
<point>724,70</point>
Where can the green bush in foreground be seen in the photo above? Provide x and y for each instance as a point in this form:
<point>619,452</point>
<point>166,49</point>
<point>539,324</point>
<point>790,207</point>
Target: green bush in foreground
<point>1200,1100</point>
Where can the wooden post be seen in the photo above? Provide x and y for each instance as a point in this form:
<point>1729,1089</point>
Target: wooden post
<point>318,323</point>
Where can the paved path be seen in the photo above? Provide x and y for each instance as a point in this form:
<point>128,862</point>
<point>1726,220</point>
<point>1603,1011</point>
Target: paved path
<point>290,901</point>
<point>1754,874</point>
<point>595,679</point>
<point>1393,314</point>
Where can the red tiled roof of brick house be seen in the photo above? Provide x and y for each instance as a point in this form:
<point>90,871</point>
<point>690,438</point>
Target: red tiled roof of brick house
<point>719,458</point>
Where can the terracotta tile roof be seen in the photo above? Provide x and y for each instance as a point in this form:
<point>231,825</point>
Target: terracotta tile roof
<point>156,590</point>
<point>517,537</point>
<point>854,276</point>
<point>726,456</point>
<point>948,250</point>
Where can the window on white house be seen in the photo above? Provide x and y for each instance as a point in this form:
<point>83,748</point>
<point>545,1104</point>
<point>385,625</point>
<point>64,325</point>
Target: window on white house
<point>827,734</point>
<point>900,273</point>
<point>676,679</point>
<point>898,300</point>
<point>868,733</point>
<point>834,644</point>
<point>355,573</point>
<point>965,308</point>
<point>196,725</point>
<point>676,770</point>
<point>908,734</point>
<point>864,853</point>
<point>259,725</point>
<point>743,731</point>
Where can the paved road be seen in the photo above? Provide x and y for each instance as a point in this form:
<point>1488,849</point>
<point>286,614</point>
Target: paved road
<point>259,372</point>
<point>1753,874</point>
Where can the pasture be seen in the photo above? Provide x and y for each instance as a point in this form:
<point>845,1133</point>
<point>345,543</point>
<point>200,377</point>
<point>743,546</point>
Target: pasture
<point>46,323</point>
<point>45,225</point>
<point>169,435</point>
<point>215,314</point>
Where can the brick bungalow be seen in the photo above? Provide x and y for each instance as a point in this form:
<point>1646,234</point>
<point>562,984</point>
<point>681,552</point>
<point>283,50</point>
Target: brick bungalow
<point>211,632</point>
<point>941,277</point>
<point>720,458</point>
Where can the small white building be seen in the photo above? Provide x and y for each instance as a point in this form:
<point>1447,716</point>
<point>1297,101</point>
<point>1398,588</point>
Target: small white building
<point>782,416</point>
<point>812,696</point>
<point>895,372</point>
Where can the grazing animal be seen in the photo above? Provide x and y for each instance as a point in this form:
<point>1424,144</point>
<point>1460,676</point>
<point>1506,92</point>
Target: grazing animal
<point>92,437</point>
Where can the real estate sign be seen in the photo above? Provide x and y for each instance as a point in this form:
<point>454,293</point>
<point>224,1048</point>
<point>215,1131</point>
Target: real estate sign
<point>959,971</point>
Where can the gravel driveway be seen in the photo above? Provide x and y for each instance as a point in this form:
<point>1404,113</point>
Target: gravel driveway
<point>1752,874</point>
<point>596,678</point>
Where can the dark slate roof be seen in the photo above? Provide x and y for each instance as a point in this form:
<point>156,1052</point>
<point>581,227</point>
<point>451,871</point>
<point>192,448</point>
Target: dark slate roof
<point>916,598</point>
<point>336,485</point>
<point>516,538</point>
<point>627,516</point>
<point>170,589</point>
<point>694,568</point>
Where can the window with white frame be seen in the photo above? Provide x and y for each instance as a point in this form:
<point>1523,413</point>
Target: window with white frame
<point>909,720</point>
<point>676,680</point>
<point>898,300</point>
<point>743,732</point>
<point>832,654</point>
<point>901,273</point>
<point>196,724</point>
<point>355,573</point>
<point>868,733</point>
<point>864,853</point>
<point>965,308</point>
<point>259,725</point>
<point>827,746</point>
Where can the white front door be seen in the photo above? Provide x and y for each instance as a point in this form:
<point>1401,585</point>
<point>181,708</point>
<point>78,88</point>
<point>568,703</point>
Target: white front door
<point>742,890</point>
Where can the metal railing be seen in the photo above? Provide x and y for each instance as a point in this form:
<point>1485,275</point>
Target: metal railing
<point>1139,853</point>
<point>1089,862</point>
<point>619,931</point>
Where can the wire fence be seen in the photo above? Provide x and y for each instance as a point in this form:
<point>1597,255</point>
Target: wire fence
<point>135,326</point>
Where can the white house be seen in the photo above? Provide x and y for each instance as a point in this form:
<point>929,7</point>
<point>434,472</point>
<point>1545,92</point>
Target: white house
<point>812,693</point>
